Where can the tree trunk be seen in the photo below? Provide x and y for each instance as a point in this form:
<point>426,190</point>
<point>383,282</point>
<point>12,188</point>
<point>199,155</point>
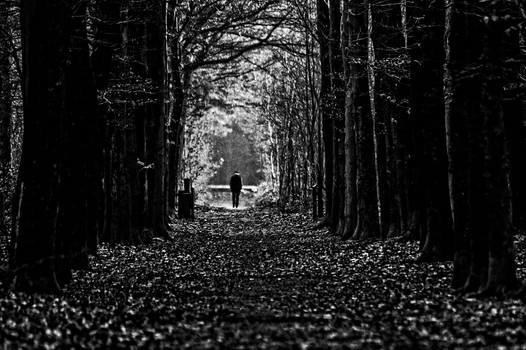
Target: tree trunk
<point>325,115</point>
<point>387,37</point>
<point>367,226</point>
<point>430,199</point>
<point>515,117</point>
<point>479,169</point>
<point>497,212</point>
<point>176,129</point>
<point>155,61</point>
<point>462,104</point>
<point>338,120</point>
<point>5,120</point>
<point>350,132</point>
<point>45,39</point>
<point>107,229</point>
<point>80,114</point>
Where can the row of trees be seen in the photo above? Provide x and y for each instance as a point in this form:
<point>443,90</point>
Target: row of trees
<point>105,86</point>
<point>423,126</point>
<point>447,167</point>
<point>408,116</point>
<point>290,106</point>
<point>292,132</point>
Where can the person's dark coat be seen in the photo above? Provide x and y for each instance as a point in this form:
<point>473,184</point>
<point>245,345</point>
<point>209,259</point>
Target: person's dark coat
<point>236,183</point>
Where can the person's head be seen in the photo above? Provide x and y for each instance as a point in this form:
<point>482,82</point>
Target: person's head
<point>236,172</point>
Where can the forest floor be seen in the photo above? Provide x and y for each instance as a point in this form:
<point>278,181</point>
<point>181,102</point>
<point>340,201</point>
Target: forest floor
<point>260,279</point>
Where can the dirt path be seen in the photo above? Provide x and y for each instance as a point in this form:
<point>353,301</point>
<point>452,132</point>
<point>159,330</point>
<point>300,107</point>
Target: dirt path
<point>259,279</point>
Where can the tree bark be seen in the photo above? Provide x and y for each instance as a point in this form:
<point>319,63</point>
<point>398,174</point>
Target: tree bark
<point>323,32</point>
<point>45,39</point>
<point>80,116</point>
<point>515,116</point>
<point>387,36</point>
<point>155,61</point>
<point>176,128</point>
<point>367,226</point>
<point>430,203</point>
<point>462,101</point>
<point>497,212</point>
<point>350,132</point>
<point>478,158</point>
<point>337,115</point>
<point>5,119</point>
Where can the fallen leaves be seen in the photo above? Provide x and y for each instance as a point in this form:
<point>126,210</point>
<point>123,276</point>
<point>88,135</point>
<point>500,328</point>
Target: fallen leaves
<point>259,279</point>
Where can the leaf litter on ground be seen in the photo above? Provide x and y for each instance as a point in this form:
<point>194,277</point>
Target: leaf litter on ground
<point>260,279</point>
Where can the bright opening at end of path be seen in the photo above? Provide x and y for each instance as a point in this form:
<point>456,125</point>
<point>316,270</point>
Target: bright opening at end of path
<point>230,131</point>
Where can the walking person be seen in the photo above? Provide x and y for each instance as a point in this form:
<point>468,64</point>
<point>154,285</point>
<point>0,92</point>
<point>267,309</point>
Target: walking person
<point>235,186</point>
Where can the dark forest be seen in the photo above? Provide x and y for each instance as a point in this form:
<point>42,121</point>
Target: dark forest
<point>381,146</point>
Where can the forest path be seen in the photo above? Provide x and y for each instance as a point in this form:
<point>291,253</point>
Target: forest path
<point>260,279</point>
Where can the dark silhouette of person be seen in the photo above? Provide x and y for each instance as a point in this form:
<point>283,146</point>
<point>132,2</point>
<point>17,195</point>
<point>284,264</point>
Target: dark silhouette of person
<point>236,184</point>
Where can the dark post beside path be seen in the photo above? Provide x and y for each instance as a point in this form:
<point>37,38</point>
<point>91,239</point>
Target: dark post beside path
<point>186,201</point>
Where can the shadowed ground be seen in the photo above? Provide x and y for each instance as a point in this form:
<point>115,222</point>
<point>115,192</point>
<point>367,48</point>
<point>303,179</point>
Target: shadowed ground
<point>259,279</point>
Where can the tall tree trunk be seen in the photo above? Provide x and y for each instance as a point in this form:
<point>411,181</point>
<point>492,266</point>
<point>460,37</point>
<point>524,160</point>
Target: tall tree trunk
<point>401,135</point>
<point>430,203</point>
<point>462,104</point>
<point>319,163</point>
<point>378,127</point>
<point>5,119</point>
<point>515,116</point>
<point>130,133</point>
<point>337,116</point>
<point>387,36</point>
<point>323,32</point>
<point>155,60</point>
<point>367,225</point>
<point>76,153</point>
<point>350,132</point>
<point>479,177</point>
<point>176,128</point>
<point>107,229</point>
<point>45,38</point>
